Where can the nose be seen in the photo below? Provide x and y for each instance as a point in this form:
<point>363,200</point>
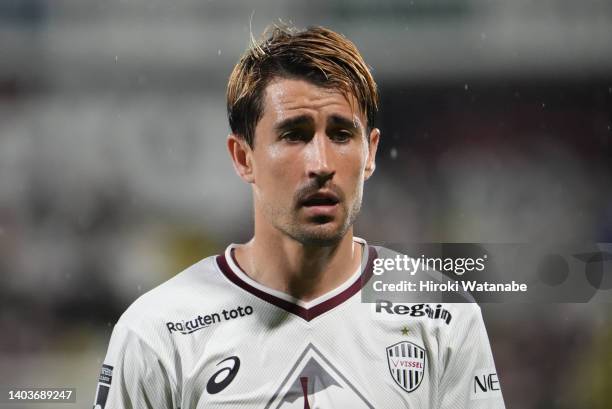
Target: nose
<point>319,160</point>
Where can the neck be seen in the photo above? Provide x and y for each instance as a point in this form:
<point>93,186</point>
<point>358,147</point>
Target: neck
<point>304,272</point>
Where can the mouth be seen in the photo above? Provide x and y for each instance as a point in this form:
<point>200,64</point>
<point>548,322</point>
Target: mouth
<point>321,207</point>
<point>320,199</point>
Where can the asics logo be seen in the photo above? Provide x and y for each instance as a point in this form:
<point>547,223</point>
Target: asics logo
<point>224,376</point>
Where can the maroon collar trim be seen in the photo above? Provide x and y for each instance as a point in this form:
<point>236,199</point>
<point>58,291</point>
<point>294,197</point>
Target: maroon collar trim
<point>307,314</point>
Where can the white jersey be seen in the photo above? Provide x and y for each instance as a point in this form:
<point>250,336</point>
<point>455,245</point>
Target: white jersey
<point>211,337</point>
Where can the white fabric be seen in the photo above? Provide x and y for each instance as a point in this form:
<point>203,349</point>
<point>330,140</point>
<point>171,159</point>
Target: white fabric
<point>173,340</point>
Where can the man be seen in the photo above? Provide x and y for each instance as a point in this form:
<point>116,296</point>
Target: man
<point>278,322</point>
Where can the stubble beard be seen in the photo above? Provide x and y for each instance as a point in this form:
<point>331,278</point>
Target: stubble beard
<point>317,233</point>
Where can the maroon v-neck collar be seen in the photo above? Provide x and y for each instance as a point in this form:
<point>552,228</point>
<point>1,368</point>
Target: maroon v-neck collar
<point>307,314</point>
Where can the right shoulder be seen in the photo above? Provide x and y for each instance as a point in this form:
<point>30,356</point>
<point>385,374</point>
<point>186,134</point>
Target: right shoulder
<point>199,287</point>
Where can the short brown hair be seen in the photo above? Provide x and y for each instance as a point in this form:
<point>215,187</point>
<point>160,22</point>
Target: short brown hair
<point>317,54</point>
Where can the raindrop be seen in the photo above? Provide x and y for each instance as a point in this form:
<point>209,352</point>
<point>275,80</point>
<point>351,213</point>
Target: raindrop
<point>219,51</point>
<point>116,58</point>
<point>465,87</point>
<point>393,153</point>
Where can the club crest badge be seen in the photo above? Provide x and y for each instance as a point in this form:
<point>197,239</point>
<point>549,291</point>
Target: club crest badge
<point>407,364</point>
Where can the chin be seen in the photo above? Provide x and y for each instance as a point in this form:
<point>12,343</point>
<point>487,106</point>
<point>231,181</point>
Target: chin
<point>321,236</point>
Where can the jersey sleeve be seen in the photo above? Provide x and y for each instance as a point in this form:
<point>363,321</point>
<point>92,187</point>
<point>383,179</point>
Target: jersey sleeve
<point>469,379</point>
<point>132,375</point>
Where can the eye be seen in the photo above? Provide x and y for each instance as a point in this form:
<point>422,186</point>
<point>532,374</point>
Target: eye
<point>341,135</point>
<point>295,135</point>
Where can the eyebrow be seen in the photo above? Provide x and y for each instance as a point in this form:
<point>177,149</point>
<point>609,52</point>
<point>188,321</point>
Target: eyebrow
<point>341,121</point>
<point>293,122</point>
<point>333,120</point>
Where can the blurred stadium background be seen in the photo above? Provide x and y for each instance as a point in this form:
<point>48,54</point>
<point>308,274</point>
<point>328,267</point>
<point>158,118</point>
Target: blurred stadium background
<point>496,120</point>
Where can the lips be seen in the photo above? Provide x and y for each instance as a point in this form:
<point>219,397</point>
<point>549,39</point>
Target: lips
<point>320,199</point>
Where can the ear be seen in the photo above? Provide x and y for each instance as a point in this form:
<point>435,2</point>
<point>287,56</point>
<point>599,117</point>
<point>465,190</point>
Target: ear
<point>242,157</point>
<point>372,147</point>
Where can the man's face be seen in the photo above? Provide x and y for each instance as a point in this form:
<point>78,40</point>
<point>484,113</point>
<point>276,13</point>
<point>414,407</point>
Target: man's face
<point>310,158</point>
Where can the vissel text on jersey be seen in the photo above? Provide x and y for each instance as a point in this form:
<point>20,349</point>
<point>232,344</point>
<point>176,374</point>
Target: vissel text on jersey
<point>204,321</point>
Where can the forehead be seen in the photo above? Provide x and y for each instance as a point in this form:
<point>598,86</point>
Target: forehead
<point>287,97</point>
